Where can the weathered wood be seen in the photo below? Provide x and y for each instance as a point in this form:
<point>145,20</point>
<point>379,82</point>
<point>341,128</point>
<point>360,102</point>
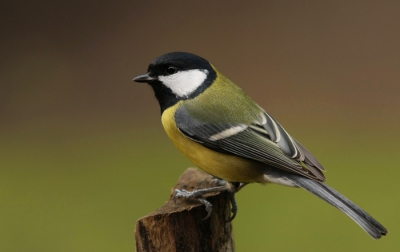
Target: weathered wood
<point>179,226</point>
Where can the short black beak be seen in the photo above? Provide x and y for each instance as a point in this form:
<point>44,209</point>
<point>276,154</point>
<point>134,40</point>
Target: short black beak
<point>144,78</point>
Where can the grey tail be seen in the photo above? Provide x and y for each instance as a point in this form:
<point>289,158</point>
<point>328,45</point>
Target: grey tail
<point>333,197</point>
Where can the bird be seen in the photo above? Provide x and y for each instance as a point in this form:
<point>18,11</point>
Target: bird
<point>224,132</point>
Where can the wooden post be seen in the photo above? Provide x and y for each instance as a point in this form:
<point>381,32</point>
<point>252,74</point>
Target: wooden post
<point>180,226</point>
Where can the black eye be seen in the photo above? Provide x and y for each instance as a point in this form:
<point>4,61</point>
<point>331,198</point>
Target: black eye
<point>171,70</point>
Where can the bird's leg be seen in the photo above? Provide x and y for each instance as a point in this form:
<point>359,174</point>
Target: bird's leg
<point>198,194</point>
<point>235,187</point>
<point>218,181</point>
<point>240,186</point>
<point>234,205</point>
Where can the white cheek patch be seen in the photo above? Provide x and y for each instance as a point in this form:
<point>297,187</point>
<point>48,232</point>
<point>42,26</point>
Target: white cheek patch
<point>183,83</point>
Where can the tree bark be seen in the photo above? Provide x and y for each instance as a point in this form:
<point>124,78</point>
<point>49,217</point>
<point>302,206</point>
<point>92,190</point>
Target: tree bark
<point>179,226</point>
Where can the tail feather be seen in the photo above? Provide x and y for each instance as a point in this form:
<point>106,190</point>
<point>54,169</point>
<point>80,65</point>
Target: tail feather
<point>333,197</point>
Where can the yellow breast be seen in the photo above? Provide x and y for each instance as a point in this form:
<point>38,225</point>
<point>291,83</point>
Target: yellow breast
<point>228,167</point>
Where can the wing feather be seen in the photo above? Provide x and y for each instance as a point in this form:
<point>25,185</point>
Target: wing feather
<point>264,140</point>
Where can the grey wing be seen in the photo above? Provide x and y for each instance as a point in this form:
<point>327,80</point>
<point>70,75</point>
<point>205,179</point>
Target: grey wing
<point>263,140</point>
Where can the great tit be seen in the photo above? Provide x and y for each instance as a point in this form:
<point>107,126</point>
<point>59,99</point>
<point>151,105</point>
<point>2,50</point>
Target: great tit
<point>225,133</point>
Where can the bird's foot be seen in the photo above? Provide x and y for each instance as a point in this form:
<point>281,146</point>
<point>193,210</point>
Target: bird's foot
<point>198,195</point>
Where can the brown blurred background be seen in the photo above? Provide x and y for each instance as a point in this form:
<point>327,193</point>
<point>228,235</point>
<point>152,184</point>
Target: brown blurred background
<point>83,153</point>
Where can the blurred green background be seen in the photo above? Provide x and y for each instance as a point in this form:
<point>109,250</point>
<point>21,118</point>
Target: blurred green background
<point>83,154</point>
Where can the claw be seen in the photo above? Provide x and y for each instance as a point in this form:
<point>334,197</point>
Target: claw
<point>234,206</point>
<point>180,194</point>
<point>199,193</point>
<point>208,206</point>
<point>196,194</point>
